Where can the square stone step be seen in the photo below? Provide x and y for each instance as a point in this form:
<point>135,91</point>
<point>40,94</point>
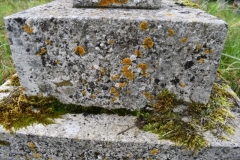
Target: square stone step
<point>145,4</point>
<point>115,58</point>
<point>95,137</point>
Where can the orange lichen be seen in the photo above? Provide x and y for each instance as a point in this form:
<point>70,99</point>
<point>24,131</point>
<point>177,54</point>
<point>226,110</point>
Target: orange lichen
<point>42,52</point>
<point>154,151</point>
<point>143,67</point>
<point>148,43</point>
<point>148,96</point>
<point>127,61</point>
<point>103,71</point>
<point>171,32</point>
<point>113,99</point>
<point>184,40</point>
<point>127,73</point>
<point>79,50</point>
<point>105,3</point>
<point>207,51</point>
<point>48,42</point>
<point>27,29</point>
<point>57,62</point>
<point>92,96</point>
<point>116,77</point>
<point>182,85</point>
<point>122,84</point>
<point>84,81</point>
<point>84,93</point>
<point>111,41</point>
<point>144,26</point>
<point>115,94</point>
<point>138,53</point>
<point>201,60</point>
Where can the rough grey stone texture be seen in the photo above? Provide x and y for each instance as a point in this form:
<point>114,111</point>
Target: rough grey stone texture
<point>183,58</point>
<point>147,4</point>
<point>93,137</point>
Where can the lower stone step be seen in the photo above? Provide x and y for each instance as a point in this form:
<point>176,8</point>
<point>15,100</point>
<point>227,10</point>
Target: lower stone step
<point>81,136</point>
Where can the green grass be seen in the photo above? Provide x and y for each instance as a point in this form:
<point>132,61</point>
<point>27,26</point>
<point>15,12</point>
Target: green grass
<point>230,61</point>
<point>8,7</point>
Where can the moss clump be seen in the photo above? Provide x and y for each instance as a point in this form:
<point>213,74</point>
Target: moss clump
<point>16,111</point>
<point>187,128</point>
<point>14,80</point>
<point>4,143</point>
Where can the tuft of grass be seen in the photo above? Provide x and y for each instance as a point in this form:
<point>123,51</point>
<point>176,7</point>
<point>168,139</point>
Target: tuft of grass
<point>230,60</point>
<point>8,7</point>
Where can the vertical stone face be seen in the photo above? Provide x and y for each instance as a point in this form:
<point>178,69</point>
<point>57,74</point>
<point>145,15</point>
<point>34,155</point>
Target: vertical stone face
<point>147,4</point>
<point>116,58</point>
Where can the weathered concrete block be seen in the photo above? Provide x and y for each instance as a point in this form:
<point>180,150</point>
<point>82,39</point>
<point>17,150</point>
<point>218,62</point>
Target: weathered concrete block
<point>96,137</point>
<point>115,58</point>
<point>147,4</point>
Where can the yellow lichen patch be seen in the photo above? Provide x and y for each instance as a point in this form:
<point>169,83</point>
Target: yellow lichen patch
<point>183,40</point>
<point>128,73</point>
<point>122,84</point>
<point>207,51</point>
<point>27,29</point>
<point>127,61</point>
<point>182,85</point>
<point>48,42</point>
<point>103,71</point>
<point>84,81</point>
<point>154,151</point>
<point>105,3</point>
<point>138,53</point>
<point>148,96</point>
<point>171,32</point>
<point>201,60</point>
<point>92,96</point>
<point>37,155</point>
<point>31,145</point>
<point>111,41</point>
<point>113,99</point>
<point>84,93</point>
<point>198,47</point>
<point>115,77</point>
<point>42,52</point>
<point>115,94</point>
<point>57,62</point>
<point>143,67</point>
<point>148,43</point>
<point>14,80</point>
<point>144,26</point>
<point>79,50</point>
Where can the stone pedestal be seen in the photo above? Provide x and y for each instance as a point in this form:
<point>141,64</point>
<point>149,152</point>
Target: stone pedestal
<point>116,58</point>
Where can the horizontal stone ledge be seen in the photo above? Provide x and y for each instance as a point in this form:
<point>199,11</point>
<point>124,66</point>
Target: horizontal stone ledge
<point>92,137</point>
<point>144,4</point>
<point>115,58</point>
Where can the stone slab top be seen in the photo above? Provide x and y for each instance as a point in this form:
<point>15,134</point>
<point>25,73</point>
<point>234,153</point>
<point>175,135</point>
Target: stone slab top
<point>168,12</point>
<point>147,4</point>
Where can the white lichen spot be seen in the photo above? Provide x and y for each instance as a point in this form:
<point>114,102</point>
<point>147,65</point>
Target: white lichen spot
<point>133,57</point>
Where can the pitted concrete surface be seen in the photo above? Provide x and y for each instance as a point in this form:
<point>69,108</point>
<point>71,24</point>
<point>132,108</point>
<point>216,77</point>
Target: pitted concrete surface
<point>115,58</point>
<point>96,137</point>
<point>145,4</point>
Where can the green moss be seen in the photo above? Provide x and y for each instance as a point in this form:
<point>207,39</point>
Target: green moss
<point>4,143</point>
<point>215,117</point>
<point>18,111</point>
<point>14,81</point>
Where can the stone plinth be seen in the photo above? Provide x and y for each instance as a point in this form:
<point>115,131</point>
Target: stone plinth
<point>115,58</point>
<point>77,137</point>
<point>146,4</point>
